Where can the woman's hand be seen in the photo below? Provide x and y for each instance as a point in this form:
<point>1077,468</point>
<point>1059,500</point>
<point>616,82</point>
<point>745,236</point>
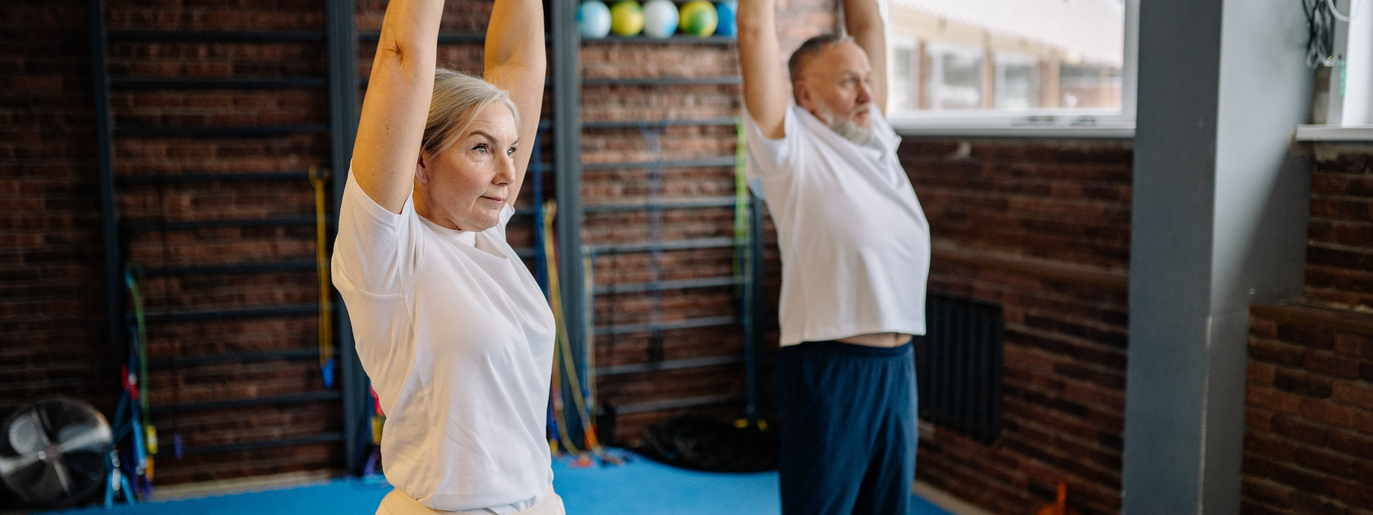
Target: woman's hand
<point>516,62</point>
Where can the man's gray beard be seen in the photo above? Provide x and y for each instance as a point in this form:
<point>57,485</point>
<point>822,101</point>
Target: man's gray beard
<point>845,127</point>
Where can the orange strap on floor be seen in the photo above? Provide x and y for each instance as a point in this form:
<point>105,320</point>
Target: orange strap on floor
<point>1060,505</point>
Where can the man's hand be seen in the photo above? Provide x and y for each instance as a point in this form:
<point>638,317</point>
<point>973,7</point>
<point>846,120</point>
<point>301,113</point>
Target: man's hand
<point>863,21</point>
<point>765,84</point>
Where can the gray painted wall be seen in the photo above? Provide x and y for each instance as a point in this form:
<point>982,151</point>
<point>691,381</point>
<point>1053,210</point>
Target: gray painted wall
<point>1219,222</point>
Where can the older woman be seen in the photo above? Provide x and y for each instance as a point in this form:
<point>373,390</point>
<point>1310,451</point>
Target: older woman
<point>450,326</point>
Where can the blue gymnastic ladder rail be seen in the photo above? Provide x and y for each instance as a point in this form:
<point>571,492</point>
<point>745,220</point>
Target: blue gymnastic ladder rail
<point>959,366</point>
<point>339,41</point>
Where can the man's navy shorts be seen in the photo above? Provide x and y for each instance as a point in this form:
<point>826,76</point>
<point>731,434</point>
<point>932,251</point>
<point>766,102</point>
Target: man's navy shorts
<point>848,428</point>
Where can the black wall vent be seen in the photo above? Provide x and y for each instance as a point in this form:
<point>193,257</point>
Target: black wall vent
<point>959,364</point>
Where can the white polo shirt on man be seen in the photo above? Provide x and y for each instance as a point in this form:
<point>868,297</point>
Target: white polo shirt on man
<point>855,243</point>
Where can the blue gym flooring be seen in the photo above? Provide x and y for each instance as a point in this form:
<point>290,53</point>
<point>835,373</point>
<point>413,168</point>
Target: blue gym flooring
<point>640,487</point>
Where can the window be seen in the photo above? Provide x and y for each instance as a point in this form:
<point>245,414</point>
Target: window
<point>1017,81</point>
<point>955,79</point>
<point>1010,63</point>
<point>904,65</point>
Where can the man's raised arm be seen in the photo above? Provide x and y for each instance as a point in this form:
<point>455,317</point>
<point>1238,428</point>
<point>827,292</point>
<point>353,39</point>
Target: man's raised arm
<point>760,57</point>
<point>863,21</point>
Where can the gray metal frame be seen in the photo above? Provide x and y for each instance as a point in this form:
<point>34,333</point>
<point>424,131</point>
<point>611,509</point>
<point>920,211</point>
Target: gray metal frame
<point>341,38</point>
<point>567,150</point>
<point>109,217</point>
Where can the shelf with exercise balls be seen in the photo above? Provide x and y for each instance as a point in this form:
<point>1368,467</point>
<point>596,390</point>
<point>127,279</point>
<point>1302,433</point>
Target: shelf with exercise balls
<point>657,21</point>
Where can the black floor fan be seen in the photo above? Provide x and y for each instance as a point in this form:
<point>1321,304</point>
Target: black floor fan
<point>53,451</point>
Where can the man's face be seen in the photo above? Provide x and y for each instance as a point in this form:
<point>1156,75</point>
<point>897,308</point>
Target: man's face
<point>836,87</point>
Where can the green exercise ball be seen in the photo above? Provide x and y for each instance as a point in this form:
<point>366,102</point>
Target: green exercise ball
<point>698,18</point>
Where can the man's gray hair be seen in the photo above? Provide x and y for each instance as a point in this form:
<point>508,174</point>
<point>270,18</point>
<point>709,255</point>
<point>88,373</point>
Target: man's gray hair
<point>811,49</point>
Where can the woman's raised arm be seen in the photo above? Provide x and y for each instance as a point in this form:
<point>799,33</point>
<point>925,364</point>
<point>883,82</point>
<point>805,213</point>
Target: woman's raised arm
<point>397,102</point>
<point>516,62</point>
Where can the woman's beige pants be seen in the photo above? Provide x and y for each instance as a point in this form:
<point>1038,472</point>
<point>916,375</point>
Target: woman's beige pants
<point>397,503</point>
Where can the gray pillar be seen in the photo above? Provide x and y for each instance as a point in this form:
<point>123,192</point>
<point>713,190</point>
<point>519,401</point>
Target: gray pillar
<point>1219,223</point>
<point>567,147</point>
<point>342,45</point>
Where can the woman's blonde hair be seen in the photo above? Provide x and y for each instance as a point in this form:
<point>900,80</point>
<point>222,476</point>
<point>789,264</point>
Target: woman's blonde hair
<point>458,98</point>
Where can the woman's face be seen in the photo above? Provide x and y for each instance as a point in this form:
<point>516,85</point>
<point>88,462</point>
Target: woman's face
<point>466,186</point>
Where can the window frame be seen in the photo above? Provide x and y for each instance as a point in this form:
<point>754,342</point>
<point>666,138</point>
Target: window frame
<point>1031,122</point>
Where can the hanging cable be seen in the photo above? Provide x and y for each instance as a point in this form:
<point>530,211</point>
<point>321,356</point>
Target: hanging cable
<point>1320,32</point>
<point>1331,4</point>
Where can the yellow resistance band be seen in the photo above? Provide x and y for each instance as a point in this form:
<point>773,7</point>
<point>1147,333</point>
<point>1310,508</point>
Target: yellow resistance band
<point>326,337</point>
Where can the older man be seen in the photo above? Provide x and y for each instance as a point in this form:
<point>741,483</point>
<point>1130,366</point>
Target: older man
<point>855,257</point>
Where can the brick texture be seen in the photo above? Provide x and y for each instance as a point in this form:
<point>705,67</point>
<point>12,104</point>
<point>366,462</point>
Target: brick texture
<point>1339,258</point>
<point>1308,444</point>
<point>149,243</point>
<point>1309,431</point>
<point>1021,223</point>
<point>52,323</point>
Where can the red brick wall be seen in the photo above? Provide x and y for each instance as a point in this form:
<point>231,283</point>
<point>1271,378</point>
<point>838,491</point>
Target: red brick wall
<point>52,318</point>
<point>1041,227</point>
<point>154,203</point>
<point>1308,446</point>
<point>1339,259</point>
<point>1309,411</point>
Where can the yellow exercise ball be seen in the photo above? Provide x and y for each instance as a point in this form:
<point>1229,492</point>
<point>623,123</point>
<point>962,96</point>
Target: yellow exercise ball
<point>626,18</point>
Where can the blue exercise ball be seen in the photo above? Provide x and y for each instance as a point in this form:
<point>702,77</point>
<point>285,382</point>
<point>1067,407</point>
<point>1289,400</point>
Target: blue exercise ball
<point>593,19</point>
<point>724,11</point>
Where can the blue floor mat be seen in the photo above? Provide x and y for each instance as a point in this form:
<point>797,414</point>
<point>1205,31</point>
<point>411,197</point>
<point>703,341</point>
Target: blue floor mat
<point>640,487</point>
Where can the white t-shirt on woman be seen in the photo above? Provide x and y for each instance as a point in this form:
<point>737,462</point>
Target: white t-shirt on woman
<point>854,241</point>
<point>458,341</point>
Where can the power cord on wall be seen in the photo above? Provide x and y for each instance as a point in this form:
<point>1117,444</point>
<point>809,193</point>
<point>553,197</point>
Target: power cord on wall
<point>1320,32</point>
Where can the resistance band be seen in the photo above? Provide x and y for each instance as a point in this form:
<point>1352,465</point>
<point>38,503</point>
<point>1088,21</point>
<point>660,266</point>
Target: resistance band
<point>589,322</point>
<point>743,272</point>
<point>133,476</point>
<point>555,302</point>
<point>326,337</point>
<point>562,354</point>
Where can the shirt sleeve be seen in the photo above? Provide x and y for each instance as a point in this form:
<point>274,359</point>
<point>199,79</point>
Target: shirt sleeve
<point>769,157</point>
<point>376,250</point>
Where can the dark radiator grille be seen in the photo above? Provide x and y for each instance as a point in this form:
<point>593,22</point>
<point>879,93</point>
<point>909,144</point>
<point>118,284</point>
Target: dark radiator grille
<point>958,366</point>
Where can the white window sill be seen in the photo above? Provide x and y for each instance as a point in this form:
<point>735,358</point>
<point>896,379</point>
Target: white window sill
<point>1334,133</point>
<point>1100,131</point>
